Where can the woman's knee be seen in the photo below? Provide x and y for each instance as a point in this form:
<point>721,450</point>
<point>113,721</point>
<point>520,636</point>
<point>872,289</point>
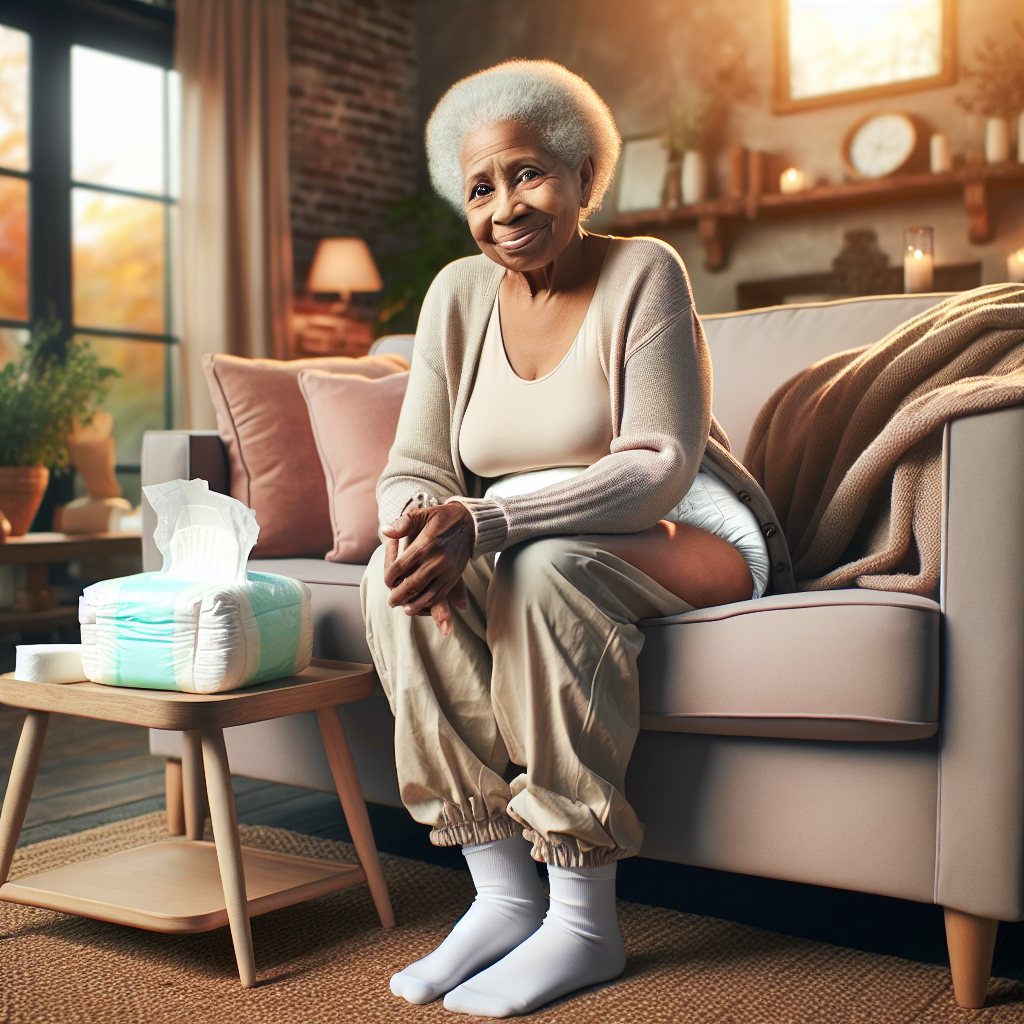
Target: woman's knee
<point>535,571</point>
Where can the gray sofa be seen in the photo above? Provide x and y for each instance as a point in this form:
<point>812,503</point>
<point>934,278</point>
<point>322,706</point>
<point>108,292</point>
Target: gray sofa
<point>857,739</point>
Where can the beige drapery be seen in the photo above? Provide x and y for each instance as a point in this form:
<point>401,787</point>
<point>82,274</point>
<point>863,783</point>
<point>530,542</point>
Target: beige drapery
<point>236,260</point>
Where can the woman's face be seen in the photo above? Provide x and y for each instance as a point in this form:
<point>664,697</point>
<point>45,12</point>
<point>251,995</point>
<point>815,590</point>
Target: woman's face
<point>523,204</point>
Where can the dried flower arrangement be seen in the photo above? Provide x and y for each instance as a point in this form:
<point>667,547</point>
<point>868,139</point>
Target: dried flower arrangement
<point>996,80</point>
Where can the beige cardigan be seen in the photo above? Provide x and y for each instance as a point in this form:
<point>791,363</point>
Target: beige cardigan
<point>659,373</point>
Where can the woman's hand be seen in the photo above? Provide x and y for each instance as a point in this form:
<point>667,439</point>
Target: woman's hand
<point>424,572</point>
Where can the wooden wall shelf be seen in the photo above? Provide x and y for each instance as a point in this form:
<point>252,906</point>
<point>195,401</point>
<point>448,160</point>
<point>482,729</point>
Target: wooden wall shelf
<point>713,216</point>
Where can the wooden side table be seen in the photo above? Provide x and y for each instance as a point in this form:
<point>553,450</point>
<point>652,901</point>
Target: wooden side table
<point>191,885</point>
<point>37,606</point>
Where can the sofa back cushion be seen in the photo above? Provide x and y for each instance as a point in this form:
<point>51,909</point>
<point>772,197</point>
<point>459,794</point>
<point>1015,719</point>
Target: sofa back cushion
<point>753,352</point>
<point>275,469</point>
<point>354,421</point>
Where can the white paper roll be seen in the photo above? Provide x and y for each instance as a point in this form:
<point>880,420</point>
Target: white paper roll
<point>49,663</point>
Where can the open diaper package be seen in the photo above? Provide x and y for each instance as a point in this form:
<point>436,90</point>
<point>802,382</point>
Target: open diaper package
<point>201,624</point>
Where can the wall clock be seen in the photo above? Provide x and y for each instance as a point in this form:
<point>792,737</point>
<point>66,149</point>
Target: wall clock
<point>879,144</point>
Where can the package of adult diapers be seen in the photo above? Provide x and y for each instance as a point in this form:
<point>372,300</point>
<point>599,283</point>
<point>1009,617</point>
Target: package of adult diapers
<point>202,623</point>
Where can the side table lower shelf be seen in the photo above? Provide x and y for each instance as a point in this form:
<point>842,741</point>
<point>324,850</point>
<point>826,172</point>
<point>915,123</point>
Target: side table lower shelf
<point>175,886</point>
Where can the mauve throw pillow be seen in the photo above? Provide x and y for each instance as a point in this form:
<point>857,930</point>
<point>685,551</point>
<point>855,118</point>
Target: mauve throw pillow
<point>354,422</point>
<point>275,469</point>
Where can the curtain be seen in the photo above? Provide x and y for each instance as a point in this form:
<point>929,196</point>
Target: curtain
<point>236,261</point>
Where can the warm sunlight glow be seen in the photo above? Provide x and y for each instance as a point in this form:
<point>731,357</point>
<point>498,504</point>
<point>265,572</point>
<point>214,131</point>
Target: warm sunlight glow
<point>841,45</point>
<point>13,248</point>
<point>136,398</point>
<point>118,262</point>
<point>117,117</point>
<point>13,99</point>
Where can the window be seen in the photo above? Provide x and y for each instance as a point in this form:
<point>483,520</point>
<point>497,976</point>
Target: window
<point>835,51</point>
<point>14,190</point>
<point>89,128</point>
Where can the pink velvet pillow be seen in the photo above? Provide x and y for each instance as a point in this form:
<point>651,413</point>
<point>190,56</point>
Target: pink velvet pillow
<point>263,422</point>
<point>354,422</point>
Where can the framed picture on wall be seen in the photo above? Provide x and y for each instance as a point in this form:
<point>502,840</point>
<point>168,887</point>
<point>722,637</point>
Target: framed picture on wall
<point>838,51</point>
<point>641,174</point>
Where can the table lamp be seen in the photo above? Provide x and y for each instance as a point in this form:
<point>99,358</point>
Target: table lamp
<point>342,266</point>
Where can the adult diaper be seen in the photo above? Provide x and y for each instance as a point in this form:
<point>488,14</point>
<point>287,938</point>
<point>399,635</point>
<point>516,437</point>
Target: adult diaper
<point>201,624</point>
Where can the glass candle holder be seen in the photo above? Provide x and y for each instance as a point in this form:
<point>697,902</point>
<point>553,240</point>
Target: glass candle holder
<point>1015,267</point>
<point>918,260</point>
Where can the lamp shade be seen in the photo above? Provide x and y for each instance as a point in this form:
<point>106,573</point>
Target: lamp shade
<point>343,265</point>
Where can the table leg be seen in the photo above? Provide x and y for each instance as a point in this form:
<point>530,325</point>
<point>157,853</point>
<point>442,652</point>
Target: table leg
<point>175,797</point>
<point>229,852</point>
<point>19,789</point>
<point>193,782</point>
<point>343,768</point>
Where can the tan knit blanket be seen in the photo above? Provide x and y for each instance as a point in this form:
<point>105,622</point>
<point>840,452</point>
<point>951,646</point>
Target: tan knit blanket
<point>849,451</point>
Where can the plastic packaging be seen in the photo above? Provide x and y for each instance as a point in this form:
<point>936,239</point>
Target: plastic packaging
<point>201,624</point>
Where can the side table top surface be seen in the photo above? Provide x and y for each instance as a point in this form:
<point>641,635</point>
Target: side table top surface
<point>62,547</point>
<point>323,684</point>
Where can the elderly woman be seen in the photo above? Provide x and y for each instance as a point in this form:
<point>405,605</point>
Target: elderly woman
<point>557,414</point>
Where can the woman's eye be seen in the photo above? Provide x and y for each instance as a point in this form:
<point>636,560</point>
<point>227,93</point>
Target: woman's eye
<point>529,175</point>
<point>479,191</point>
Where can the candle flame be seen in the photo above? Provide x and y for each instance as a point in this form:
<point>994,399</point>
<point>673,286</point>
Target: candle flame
<point>918,254</point>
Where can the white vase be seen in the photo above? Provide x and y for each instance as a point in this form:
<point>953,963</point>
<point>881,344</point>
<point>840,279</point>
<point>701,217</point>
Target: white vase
<point>695,177</point>
<point>997,140</point>
<point>1020,138</point>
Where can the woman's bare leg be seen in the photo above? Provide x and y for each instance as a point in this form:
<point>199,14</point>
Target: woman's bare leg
<point>695,565</point>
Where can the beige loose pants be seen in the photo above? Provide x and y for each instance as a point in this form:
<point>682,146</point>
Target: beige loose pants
<point>539,669</point>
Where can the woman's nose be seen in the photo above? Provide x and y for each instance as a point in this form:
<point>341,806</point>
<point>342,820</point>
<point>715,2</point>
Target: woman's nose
<point>506,209</point>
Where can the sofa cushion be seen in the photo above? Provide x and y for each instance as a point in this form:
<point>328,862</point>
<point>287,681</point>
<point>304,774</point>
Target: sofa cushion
<point>835,665</point>
<point>311,570</point>
<point>354,422</point>
<point>756,351</point>
<point>275,469</point>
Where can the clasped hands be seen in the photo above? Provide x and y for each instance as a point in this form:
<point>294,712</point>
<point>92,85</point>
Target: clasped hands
<point>426,577</point>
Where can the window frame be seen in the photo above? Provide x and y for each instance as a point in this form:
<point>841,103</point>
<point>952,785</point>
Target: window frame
<point>125,28</point>
<point>783,103</point>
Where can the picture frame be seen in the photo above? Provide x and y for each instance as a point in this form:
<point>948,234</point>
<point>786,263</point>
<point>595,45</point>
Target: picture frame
<point>640,177</point>
<point>783,100</point>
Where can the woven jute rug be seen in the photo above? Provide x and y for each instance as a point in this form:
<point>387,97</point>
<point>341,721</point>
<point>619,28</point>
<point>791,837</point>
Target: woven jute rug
<point>329,960</point>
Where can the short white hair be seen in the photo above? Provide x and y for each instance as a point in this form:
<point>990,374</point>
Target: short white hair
<point>573,122</point>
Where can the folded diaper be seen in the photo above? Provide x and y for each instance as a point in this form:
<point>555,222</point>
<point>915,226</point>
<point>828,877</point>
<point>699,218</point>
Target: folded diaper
<point>201,624</point>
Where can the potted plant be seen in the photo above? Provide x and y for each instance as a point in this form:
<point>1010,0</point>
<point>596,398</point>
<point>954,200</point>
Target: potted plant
<point>996,92</point>
<point>692,121</point>
<point>45,392</point>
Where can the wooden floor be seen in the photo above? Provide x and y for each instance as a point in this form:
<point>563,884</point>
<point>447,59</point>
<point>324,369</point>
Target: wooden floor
<point>93,773</point>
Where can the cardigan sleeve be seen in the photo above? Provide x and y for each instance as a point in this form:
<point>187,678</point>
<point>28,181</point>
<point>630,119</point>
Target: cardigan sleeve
<point>421,457</point>
<point>653,461</point>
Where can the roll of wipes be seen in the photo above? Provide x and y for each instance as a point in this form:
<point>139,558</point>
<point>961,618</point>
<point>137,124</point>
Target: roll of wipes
<point>49,663</point>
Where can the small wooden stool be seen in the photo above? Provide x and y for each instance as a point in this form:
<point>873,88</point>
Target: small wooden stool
<point>191,885</point>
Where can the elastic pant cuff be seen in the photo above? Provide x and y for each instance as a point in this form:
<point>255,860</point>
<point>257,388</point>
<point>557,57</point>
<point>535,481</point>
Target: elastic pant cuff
<point>564,854</point>
<point>501,826</point>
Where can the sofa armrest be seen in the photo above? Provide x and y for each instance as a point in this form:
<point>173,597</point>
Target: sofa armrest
<point>980,843</point>
<point>178,455</point>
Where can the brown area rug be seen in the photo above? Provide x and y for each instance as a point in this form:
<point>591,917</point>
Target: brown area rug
<point>329,961</point>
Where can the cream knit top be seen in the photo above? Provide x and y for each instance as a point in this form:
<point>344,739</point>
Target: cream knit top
<point>514,425</point>
<point>658,368</point>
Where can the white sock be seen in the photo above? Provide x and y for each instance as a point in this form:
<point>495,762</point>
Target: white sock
<point>509,906</point>
<point>579,944</point>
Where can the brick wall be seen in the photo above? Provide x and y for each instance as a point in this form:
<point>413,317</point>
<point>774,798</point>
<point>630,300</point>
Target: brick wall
<point>352,115</point>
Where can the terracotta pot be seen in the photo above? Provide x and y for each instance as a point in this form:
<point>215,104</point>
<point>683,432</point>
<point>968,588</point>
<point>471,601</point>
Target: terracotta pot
<point>21,493</point>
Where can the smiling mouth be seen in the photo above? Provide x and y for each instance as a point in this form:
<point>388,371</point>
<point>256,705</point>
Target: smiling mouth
<point>511,244</point>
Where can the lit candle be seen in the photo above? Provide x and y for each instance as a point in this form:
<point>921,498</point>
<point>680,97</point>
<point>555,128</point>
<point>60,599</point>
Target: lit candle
<point>918,260</point>
<point>941,156</point>
<point>792,180</point>
<point>1015,266</point>
<point>918,272</point>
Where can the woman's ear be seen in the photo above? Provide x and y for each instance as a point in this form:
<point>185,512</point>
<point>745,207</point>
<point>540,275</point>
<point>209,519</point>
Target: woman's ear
<point>586,178</point>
